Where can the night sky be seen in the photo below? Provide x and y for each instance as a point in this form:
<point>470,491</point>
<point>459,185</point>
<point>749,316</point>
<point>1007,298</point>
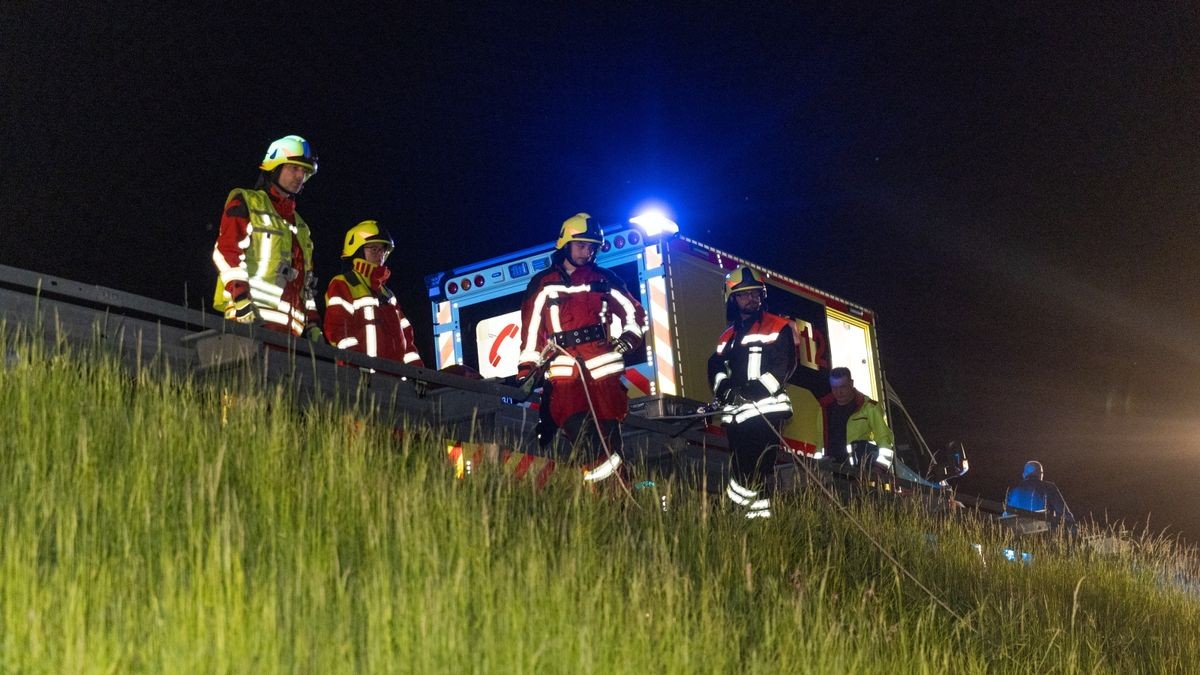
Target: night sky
<point>1011,187</point>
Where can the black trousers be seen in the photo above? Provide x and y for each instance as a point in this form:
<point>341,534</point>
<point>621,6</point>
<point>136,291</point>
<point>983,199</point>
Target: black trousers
<point>752,446</point>
<point>585,442</point>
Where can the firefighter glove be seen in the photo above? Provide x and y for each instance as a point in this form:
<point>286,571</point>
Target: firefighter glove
<point>313,332</point>
<point>724,393</point>
<point>244,310</point>
<point>622,344</point>
<point>525,370</point>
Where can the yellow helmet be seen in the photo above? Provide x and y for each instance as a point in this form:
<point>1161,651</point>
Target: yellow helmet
<point>366,232</point>
<point>744,279</point>
<point>290,150</point>
<point>579,227</point>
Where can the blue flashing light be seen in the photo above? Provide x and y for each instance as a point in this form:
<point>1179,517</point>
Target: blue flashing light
<point>1010,555</point>
<point>654,222</point>
<point>516,270</point>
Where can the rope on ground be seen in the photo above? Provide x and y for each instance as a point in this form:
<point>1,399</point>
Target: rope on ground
<point>814,479</point>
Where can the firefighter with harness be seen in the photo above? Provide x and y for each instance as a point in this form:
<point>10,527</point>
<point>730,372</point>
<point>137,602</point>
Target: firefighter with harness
<point>748,372</point>
<point>361,312</point>
<point>264,249</point>
<point>578,321</point>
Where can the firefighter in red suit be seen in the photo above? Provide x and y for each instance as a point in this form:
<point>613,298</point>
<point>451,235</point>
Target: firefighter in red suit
<point>264,249</point>
<point>749,371</point>
<point>588,312</point>
<point>361,312</point>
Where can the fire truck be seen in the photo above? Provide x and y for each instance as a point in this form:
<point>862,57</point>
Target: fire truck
<point>476,323</point>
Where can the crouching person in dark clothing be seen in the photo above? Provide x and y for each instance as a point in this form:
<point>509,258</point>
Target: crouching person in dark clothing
<point>1039,496</point>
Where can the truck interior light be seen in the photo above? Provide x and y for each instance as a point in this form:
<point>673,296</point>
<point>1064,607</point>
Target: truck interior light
<point>654,223</point>
<point>478,281</point>
<point>605,246</point>
<point>452,288</point>
<point>619,241</point>
<point>634,238</point>
<point>466,284</point>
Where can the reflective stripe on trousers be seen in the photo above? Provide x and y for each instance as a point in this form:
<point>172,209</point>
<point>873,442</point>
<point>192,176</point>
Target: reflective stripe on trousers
<point>744,496</point>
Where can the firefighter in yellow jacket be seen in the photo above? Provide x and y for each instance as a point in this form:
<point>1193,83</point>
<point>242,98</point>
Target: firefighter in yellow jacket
<point>264,249</point>
<point>850,417</point>
<point>748,372</point>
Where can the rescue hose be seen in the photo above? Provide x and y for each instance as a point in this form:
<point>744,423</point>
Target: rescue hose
<point>681,423</point>
<point>814,479</point>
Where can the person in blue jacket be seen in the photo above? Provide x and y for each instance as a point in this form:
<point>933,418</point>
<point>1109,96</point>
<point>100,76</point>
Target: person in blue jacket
<point>1039,496</point>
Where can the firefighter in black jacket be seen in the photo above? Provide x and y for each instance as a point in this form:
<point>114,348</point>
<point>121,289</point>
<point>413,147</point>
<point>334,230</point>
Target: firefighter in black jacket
<point>754,359</point>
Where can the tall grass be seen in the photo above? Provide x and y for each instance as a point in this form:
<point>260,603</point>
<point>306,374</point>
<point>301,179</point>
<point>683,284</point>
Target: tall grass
<point>157,523</point>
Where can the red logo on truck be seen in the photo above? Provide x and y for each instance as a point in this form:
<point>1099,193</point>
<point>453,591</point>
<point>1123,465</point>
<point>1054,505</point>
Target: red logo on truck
<point>509,331</point>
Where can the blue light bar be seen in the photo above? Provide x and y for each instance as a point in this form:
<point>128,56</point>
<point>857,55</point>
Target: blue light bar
<point>654,223</point>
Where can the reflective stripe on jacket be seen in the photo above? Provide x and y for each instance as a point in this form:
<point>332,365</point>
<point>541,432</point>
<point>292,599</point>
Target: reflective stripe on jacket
<point>866,423</point>
<point>368,322</point>
<point>755,362</point>
<point>556,302</point>
<point>278,282</point>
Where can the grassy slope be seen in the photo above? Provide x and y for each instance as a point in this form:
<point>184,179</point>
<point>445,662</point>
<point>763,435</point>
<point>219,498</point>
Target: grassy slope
<point>143,533</point>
